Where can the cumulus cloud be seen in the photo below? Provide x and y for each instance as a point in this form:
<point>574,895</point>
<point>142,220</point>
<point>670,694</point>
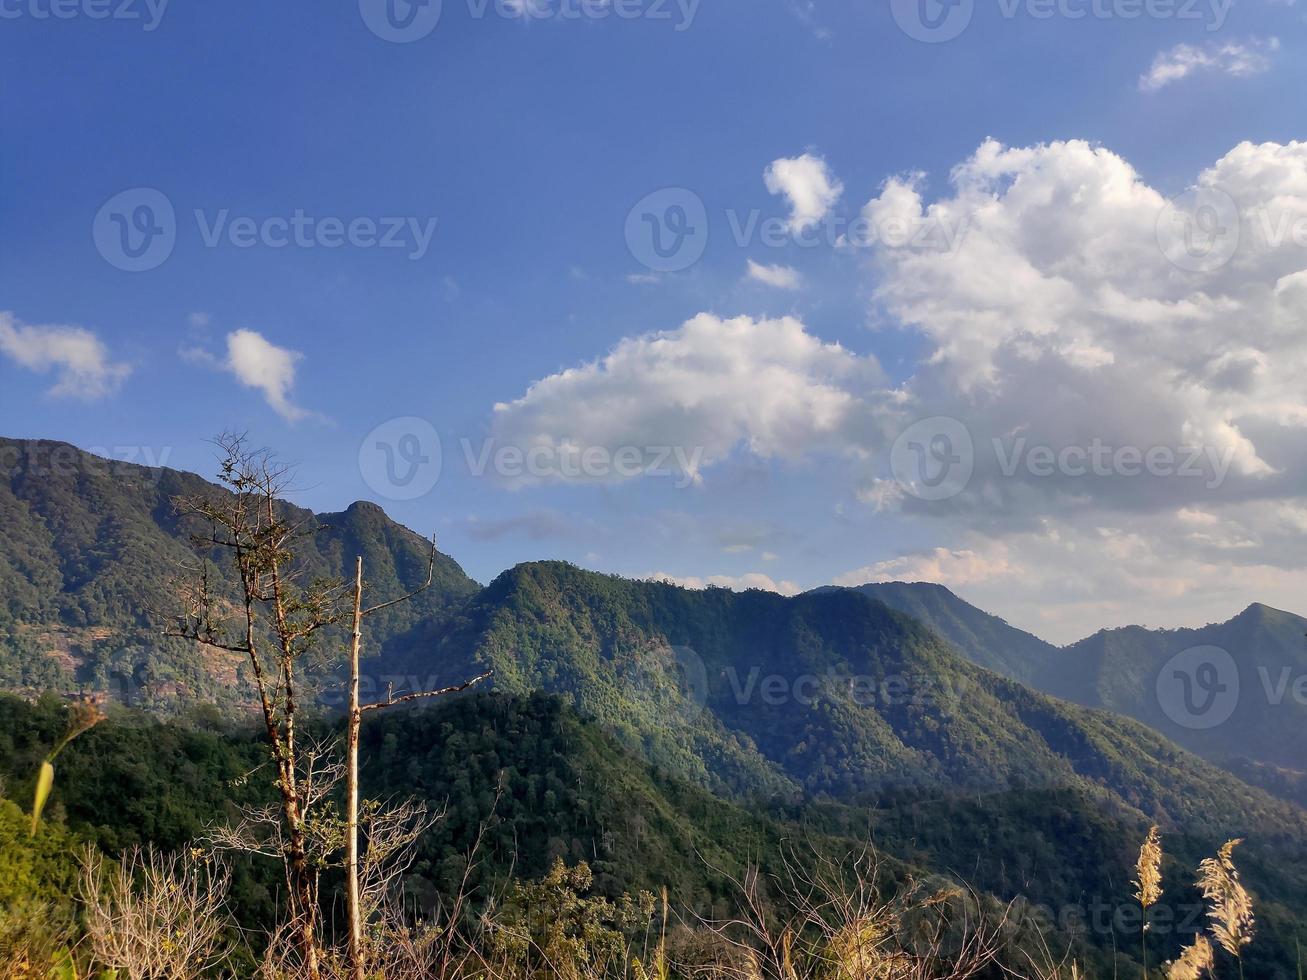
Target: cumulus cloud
<point>78,358</point>
<point>809,186</point>
<point>260,364</point>
<point>1068,319</point>
<point>1064,319</point>
<point>1236,59</point>
<point>737,583</point>
<point>1059,320</point>
<point>707,389</point>
<point>779,276</point>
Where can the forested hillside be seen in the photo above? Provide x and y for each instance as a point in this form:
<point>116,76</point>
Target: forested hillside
<point>94,554</point>
<point>1262,660</point>
<point>521,782</point>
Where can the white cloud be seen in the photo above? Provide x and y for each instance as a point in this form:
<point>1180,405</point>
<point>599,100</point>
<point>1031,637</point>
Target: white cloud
<point>1236,59</point>
<point>1055,322</point>
<point>1058,319</point>
<point>1065,579</point>
<point>79,359</point>
<point>264,366</point>
<point>259,364</point>
<point>779,276</point>
<point>941,565</point>
<point>737,583</point>
<point>709,388</point>
<point>809,186</point>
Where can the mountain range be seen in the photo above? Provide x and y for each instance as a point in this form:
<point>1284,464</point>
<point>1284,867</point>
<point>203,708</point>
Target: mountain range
<point>1256,727</point>
<point>897,710</point>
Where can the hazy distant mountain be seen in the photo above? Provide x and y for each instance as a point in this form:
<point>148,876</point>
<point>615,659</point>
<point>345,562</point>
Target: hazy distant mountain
<point>1247,710</point>
<point>1251,704</point>
<point>89,559</point>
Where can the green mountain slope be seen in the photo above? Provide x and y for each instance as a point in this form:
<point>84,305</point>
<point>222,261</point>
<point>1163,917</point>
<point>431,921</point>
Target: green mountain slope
<point>1134,671</point>
<point>544,782</point>
<point>834,700</point>
<point>93,550</point>
<point>1262,736</point>
<point>982,638</point>
<point>827,694</point>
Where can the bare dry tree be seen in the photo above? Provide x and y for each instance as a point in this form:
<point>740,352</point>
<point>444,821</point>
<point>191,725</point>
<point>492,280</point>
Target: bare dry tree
<point>261,830</point>
<point>357,904</point>
<point>152,916</point>
<point>831,918</point>
<point>275,626</point>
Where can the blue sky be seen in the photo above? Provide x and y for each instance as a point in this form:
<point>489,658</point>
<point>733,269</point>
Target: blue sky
<point>528,132</point>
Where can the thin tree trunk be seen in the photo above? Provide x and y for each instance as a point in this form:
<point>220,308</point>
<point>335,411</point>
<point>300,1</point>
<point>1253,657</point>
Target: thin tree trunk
<point>352,783</point>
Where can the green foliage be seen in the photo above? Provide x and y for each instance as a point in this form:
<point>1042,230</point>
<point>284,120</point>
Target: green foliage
<point>1118,669</point>
<point>38,878</point>
<point>554,927</point>
<point>89,568</point>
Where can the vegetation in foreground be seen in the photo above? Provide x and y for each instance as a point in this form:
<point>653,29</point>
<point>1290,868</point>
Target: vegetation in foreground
<point>288,821</point>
